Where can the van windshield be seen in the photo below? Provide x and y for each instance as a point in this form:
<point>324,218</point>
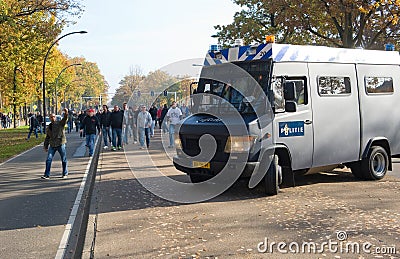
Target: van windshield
<point>233,87</point>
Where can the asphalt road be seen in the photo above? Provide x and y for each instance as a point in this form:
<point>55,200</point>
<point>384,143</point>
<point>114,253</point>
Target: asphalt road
<point>330,207</point>
<point>34,212</point>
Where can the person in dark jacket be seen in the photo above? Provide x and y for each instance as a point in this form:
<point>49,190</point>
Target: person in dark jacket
<point>153,113</point>
<point>33,126</point>
<point>55,141</point>
<point>116,121</point>
<point>105,118</point>
<point>81,116</point>
<point>90,123</point>
<point>163,122</point>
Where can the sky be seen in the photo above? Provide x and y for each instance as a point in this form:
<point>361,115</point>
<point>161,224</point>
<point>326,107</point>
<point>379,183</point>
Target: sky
<point>150,34</point>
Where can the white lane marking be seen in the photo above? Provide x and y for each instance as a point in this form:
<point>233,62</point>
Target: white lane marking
<point>68,228</point>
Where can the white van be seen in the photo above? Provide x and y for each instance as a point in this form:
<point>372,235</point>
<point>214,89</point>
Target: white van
<point>331,107</point>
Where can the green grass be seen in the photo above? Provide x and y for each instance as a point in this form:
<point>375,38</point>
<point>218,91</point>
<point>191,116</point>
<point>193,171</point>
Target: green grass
<point>13,142</point>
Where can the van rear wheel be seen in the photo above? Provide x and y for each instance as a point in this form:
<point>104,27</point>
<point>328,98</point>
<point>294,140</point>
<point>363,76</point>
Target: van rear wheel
<point>374,167</point>
<point>273,177</point>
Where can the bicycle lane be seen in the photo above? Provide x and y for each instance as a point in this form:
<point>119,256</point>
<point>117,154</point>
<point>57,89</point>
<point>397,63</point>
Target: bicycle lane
<point>34,212</point>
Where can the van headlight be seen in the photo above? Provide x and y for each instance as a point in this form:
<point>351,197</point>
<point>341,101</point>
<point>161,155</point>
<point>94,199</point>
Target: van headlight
<point>239,144</point>
<point>177,141</point>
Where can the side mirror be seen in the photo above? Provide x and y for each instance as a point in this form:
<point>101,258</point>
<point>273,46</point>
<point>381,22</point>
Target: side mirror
<point>290,106</point>
<point>289,91</point>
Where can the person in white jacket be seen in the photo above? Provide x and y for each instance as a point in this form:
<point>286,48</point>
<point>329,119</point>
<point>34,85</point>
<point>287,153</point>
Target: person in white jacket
<point>144,121</point>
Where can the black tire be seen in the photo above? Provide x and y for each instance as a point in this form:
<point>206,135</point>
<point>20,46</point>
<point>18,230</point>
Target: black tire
<point>273,177</point>
<point>376,165</point>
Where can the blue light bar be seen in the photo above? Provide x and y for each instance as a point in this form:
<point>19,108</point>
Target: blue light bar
<point>215,47</point>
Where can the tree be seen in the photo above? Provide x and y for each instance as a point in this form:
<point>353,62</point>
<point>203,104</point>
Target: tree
<point>27,28</point>
<point>341,23</point>
<point>128,85</point>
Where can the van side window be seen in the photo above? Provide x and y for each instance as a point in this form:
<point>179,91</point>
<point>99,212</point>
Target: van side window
<point>278,91</point>
<point>278,94</point>
<point>379,85</point>
<point>301,89</point>
<point>333,85</point>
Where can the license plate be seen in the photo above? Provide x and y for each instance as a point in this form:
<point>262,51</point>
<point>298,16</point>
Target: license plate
<point>197,164</point>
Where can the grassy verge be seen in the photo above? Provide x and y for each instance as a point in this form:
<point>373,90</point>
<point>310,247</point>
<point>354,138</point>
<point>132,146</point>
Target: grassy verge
<point>13,142</point>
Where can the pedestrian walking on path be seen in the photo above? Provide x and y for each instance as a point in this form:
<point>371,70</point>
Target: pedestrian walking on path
<point>105,125</point>
<point>162,120</point>
<point>153,113</point>
<point>55,141</point>
<point>144,121</point>
<point>116,121</point>
<point>128,117</point>
<point>90,123</point>
<point>33,126</point>
<point>174,115</point>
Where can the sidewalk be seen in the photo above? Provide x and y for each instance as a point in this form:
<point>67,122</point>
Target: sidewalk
<point>34,212</point>
<point>127,221</point>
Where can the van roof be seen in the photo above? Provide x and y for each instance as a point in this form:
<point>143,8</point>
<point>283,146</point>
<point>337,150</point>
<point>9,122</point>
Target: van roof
<point>300,53</point>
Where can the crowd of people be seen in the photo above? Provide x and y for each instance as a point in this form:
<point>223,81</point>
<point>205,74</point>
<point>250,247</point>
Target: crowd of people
<point>138,123</point>
<point>116,126</point>
<point>6,120</point>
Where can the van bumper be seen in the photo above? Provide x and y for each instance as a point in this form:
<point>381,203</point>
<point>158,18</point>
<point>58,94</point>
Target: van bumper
<point>215,167</point>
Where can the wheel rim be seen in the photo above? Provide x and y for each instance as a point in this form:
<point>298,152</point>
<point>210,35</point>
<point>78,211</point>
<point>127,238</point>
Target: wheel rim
<point>379,164</point>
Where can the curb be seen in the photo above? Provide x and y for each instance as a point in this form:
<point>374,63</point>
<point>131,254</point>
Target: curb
<point>76,240</point>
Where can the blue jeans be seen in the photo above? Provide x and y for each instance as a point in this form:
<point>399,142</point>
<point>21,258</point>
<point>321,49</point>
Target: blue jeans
<point>171,135</point>
<point>126,134</point>
<point>90,138</point>
<point>164,126</point>
<point>34,129</point>
<point>117,133</point>
<point>70,126</point>
<point>106,135</point>
<point>142,133</point>
<point>153,124</point>
<point>50,155</point>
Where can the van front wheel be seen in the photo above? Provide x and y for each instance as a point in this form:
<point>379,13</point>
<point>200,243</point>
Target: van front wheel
<point>273,177</point>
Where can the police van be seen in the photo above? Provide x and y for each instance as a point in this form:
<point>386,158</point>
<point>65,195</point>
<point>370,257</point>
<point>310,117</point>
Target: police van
<point>327,107</point>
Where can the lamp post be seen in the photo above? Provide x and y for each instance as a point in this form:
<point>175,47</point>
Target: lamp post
<point>44,71</point>
<point>58,77</point>
<point>14,93</point>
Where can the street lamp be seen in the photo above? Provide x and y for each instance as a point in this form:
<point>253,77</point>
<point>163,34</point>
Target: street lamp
<point>58,77</point>
<point>16,68</point>
<point>44,72</point>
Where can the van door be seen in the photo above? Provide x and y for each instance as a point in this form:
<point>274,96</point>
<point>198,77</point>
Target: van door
<point>336,113</point>
<point>294,129</point>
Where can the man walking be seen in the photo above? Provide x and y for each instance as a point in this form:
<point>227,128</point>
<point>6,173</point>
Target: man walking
<point>33,126</point>
<point>128,117</point>
<point>90,123</point>
<point>153,113</point>
<point>55,141</point>
<point>81,116</point>
<point>105,125</point>
<point>70,122</point>
<point>116,121</point>
<point>39,117</point>
<point>144,124</point>
<point>174,115</point>
<point>163,121</point>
